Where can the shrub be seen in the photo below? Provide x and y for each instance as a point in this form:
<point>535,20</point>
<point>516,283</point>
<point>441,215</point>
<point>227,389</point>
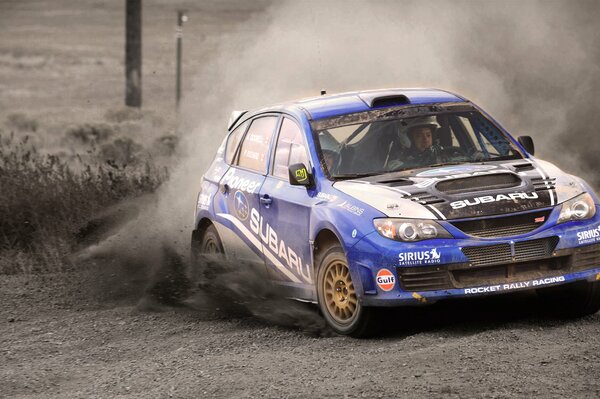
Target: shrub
<point>44,201</point>
<point>90,133</point>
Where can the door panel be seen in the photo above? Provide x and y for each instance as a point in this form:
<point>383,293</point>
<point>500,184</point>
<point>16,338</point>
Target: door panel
<point>284,226</point>
<point>237,204</point>
<point>285,214</point>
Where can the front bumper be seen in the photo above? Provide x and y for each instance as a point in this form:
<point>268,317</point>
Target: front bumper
<point>431,270</point>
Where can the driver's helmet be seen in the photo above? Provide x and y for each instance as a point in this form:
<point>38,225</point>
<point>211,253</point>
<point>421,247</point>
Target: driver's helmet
<point>422,121</point>
<point>404,131</point>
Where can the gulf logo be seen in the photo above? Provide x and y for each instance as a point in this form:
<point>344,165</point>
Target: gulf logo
<point>385,280</point>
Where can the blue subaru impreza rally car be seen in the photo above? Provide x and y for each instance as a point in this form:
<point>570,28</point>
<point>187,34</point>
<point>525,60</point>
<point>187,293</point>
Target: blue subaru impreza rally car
<point>369,199</point>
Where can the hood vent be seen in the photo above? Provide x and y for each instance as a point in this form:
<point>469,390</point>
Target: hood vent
<point>396,182</point>
<point>425,198</point>
<point>479,183</point>
<point>540,184</point>
<point>522,167</point>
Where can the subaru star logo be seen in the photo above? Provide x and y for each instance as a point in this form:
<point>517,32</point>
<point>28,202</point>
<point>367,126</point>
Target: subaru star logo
<point>241,206</point>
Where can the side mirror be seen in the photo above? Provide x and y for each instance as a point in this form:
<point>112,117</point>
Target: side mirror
<point>527,143</point>
<point>299,175</point>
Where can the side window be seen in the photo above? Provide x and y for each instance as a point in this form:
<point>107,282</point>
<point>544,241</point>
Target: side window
<point>255,147</point>
<point>233,141</point>
<point>290,148</point>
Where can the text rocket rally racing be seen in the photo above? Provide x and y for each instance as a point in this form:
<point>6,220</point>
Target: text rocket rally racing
<point>379,198</point>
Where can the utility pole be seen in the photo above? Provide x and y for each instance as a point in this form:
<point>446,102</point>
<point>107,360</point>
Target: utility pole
<point>133,53</point>
<point>181,18</point>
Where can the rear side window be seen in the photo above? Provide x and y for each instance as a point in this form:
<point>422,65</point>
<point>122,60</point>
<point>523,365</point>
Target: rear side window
<point>290,148</point>
<point>233,141</point>
<point>255,147</point>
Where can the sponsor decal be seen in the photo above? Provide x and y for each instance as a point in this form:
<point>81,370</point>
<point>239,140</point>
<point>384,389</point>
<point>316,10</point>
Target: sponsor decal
<point>493,198</point>
<point>514,286</point>
<point>351,208</point>
<point>427,257</point>
<point>271,240</point>
<point>203,201</point>
<point>429,182</point>
<point>240,203</point>
<point>240,183</point>
<point>326,197</point>
<point>301,175</point>
<point>589,236</point>
<point>204,196</point>
<point>385,280</point>
<point>453,170</point>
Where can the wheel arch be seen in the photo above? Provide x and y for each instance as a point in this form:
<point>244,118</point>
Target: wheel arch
<point>324,239</point>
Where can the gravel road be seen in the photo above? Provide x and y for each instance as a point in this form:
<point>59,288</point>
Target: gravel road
<point>94,334</point>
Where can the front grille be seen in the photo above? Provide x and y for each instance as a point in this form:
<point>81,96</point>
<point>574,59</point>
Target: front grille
<point>503,226</point>
<point>462,275</point>
<point>541,248</point>
<point>489,254</point>
<point>423,278</point>
<point>503,253</point>
<point>586,257</point>
<point>479,183</point>
<point>499,274</point>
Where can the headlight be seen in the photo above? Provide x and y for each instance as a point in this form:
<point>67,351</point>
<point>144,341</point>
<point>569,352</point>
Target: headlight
<point>578,208</point>
<point>410,229</point>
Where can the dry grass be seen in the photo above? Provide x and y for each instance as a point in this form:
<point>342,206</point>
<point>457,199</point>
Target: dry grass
<point>45,200</point>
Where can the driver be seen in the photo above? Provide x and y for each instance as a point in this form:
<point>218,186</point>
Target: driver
<point>422,152</point>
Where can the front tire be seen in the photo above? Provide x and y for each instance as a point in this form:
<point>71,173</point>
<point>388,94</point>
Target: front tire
<point>338,301</point>
<point>573,300</point>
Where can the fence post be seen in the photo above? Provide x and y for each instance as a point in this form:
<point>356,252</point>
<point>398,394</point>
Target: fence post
<point>133,53</point>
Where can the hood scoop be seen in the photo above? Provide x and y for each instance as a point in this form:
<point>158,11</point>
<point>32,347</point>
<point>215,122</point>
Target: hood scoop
<point>496,181</point>
<point>396,182</point>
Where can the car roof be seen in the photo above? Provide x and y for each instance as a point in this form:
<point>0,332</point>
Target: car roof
<point>358,101</point>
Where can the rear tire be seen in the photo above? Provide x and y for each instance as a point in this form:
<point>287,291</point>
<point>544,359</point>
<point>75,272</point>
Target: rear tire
<point>338,301</point>
<point>574,300</point>
<point>206,246</point>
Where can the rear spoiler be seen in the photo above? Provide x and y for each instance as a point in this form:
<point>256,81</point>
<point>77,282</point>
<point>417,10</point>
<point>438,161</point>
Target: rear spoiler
<point>235,116</point>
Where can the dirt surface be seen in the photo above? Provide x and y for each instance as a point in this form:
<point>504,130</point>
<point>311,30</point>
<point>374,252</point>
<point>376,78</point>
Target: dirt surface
<point>83,335</point>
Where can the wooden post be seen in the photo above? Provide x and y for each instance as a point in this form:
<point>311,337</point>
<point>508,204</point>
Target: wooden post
<point>181,18</point>
<point>133,53</point>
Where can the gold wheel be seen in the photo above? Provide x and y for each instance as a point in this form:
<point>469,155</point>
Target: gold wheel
<point>338,291</point>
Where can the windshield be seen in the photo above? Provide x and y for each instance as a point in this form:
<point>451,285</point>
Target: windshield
<point>383,145</point>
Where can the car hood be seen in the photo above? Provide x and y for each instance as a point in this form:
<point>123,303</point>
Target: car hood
<point>466,190</point>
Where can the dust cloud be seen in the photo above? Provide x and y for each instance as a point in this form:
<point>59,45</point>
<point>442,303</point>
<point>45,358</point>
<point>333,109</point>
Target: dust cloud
<point>532,64</point>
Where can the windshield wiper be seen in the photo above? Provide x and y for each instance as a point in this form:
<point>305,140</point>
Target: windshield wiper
<point>435,165</point>
<point>355,175</point>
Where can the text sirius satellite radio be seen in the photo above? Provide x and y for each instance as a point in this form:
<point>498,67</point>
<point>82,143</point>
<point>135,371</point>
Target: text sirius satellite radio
<point>428,257</point>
